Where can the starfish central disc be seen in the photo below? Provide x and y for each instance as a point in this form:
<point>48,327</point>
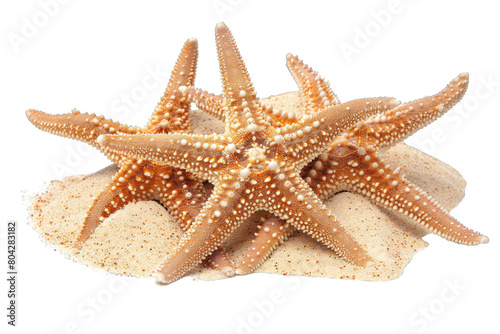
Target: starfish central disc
<point>254,155</point>
<point>256,158</point>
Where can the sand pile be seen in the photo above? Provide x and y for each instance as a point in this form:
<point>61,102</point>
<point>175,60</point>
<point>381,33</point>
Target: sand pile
<point>134,240</point>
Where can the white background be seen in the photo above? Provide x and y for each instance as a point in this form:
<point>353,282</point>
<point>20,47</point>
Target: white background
<point>88,54</point>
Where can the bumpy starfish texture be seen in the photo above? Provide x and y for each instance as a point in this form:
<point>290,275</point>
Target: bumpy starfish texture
<point>316,92</point>
<point>80,126</point>
<point>316,95</point>
<point>180,192</point>
<point>354,162</point>
<point>175,189</point>
<point>136,180</point>
<point>214,105</point>
<point>253,166</point>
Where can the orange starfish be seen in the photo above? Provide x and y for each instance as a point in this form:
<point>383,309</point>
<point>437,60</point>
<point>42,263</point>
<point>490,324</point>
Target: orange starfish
<point>253,165</point>
<point>354,162</point>
<point>137,180</point>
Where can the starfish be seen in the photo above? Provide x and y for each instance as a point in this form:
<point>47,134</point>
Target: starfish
<point>253,166</point>
<point>316,95</point>
<point>137,179</point>
<point>354,162</point>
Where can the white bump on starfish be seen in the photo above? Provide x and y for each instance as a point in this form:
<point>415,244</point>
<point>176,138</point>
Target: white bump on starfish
<point>273,165</point>
<point>245,173</point>
<point>252,127</point>
<point>231,148</point>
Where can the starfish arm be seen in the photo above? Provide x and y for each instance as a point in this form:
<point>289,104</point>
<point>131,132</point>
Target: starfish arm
<point>106,203</point>
<point>81,126</point>
<point>311,216</point>
<point>185,205</point>
<point>306,139</point>
<point>198,154</point>
<point>324,175</point>
<point>244,110</point>
<point>397,124</point>
<point>219,217</point>
<point>276,116</point>
<point>398,194</point>
<point>214,105</point>
<point>235,78</point>
<point>210,103</point>
<point>316,92</point>
<point>359,170</point>
<point>272,232</point>
<point>176,190</point>
<point>182,194</point>
<point>171,113</point>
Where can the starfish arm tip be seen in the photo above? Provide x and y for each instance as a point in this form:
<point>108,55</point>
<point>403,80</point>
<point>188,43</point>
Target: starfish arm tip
<point>484,240</point>
<point>34,116</point>
<point>160,278</point>
<point>220,25</point>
